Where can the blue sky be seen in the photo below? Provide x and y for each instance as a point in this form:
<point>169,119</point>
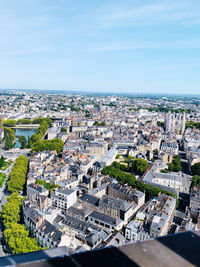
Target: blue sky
<point>95,45</point>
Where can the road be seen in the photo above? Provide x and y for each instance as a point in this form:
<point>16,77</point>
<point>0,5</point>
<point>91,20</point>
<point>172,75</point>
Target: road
<point>184,162</point>
<point>3,196</point>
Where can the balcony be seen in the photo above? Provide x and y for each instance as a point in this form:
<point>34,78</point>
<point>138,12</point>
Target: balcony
<point>172,250</point>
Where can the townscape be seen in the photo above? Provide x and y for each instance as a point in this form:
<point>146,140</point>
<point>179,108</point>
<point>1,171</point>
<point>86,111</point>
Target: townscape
<point>88,171</point>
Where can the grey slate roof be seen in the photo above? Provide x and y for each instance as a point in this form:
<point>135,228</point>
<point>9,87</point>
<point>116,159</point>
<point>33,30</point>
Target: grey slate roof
<point>90,199</point>
<point>115,203</point>
<point>51,231</point>
<point>105,218</point>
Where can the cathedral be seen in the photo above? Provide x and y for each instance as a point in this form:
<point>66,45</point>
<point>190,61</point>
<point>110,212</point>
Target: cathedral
<point>175,123</point>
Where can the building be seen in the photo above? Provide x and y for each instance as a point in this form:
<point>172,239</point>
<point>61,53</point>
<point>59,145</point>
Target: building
<point>173,182</point>
<point>63,199</point>
<point>126,193</point>
<point>134,231</point>
<point>116,208</point>
<point>175,123</point>
<point>106,221</point>
<point>161,215</point>
<point>52,132</point>
<point>106,159</point>
<point>169,147</point>
<point>195,201</point>
<point>35,189</point>
<point>97,148</point>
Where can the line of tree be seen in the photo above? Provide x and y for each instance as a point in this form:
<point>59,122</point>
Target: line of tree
<point>18,173</point>
<point>12,123</point>
<point>41,130</point>
<point>53,144</point>
<point>127,178</point>
<point>24,121</point>
<point>9,123</point>
<point>9,138</point>
<point>36,142</point>
<point>16,236</point>
<point>167,109</point>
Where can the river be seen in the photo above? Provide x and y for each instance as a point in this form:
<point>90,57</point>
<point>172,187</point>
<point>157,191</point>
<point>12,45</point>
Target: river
<point>23,132</point>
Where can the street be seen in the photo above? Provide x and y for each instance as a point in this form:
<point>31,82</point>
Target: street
<point>3,196</point>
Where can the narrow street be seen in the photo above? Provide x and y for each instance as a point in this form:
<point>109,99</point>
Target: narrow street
<point>184,162</point>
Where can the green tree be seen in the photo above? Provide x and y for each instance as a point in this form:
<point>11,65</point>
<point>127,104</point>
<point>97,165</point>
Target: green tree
<point>22,141</point>
<point>195,180</point>
<point>24,121</point>
<point>29,142</point>
<point>2,162</point>
<point>8,142</point>
<point>127,178</point>
<point>140,165</point>
<point>9,123</point>
<point>64,130</point>
<point>17,237</point>
<point>155,152</point>
<point>10,213</point>
<point>53,144</point>
<point>195,169</point>
<point>175,165</point>
<point>39,120</point>
<point>18,173</point>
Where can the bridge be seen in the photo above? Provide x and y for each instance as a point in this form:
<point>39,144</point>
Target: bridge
<point>26,126</point>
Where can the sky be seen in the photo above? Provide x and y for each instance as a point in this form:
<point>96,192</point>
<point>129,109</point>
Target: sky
<point>128,46</point>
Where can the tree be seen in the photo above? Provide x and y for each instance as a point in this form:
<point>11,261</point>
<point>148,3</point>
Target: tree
<point>195,169</point>
<point>17,176</point>
<point>9,123</point>
<point>17,237</point>
<point>10,213</point>
<point>64,130</point>
<point>53,144</point>
<point>11,132</point>
<point>171,167</point>
<point>39,120</point>
<point>8,142</point>
<point>117,156</point>
<point>24,121</point>
<point>195,180</point>
<point>160,123</point>
<point>22,141</point>
<point>140,165</point>
<point>2,162</point>
<point>155,152</point>
<point>175,165</point>
<point>127,178</point>
<point>29,142</point>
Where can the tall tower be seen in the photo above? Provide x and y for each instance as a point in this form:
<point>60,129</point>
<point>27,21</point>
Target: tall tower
<point>183,123</point>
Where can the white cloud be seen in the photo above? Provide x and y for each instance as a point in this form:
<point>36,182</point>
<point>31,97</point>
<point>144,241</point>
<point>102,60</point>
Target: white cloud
<point>145,45</point>
<point>159,13</point>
